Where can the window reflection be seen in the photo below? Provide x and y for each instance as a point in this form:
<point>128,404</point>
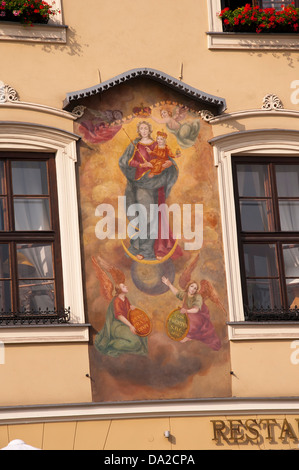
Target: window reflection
<point>256,216</point>
<point>36,295</point>
<point>3,212</point>
<point>260,260</point>
<point>29,178</point>
<point>253,180</point>
<point>263,293</point>
<point>32,214</point>
<point>35,261</point>
<point>2,178</point>
<point>5,296</point>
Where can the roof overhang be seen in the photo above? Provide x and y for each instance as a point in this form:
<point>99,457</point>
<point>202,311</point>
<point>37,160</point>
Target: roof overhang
<point>218,104</point>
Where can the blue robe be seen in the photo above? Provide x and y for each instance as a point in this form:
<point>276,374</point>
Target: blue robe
<point>145,191</point>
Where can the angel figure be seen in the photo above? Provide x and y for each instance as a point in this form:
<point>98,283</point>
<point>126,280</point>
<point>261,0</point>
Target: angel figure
<point>193,297</point>
<point>186,132</point>
<point>118,336</point>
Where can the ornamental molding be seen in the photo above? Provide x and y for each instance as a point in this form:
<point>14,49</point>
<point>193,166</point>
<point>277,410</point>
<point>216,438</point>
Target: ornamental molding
<point>271,102</point>
<point>78,111</point>
<point>8,94</point>
<point>210,101</point>
<point>207,115</point>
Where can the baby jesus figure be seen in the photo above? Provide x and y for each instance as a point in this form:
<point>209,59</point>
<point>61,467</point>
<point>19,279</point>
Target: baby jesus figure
<point>161,155</point>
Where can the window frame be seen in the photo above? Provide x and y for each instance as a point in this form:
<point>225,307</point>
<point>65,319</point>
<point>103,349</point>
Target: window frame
<point>258,142</point>
<point>217,39</point>
<point>52,32</point>
<point>31,137</point>
<point>275,236</point>
<point>12,237</point>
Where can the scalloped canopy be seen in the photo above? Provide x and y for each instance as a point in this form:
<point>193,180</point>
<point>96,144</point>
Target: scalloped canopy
<point>218,104</point>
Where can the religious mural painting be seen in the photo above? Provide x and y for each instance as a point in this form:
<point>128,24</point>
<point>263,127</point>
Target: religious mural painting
<point>153,258</point>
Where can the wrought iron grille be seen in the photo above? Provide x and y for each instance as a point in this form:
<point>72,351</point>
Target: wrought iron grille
<point>260,314</point>
<point>28,317</point>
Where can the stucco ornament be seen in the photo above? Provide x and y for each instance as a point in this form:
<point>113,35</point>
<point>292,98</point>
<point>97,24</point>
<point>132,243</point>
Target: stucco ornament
<point>206,115</point>
<point>7,93</point>
<point>78,111</point>
<point>272,101</point>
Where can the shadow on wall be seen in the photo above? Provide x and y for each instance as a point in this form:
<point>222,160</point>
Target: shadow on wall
<point>73,47</point>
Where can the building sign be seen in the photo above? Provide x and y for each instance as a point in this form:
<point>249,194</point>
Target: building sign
<point>272,430</point>
<point>152,246</point>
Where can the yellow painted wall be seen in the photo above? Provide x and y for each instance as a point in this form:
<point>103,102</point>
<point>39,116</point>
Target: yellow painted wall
<point>150,33</point>
<point>44,374</point>
<point>104,40</point>
<point>273,432</point>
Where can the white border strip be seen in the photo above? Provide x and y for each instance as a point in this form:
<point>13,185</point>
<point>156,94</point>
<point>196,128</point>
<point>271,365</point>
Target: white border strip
<point>91,412</point>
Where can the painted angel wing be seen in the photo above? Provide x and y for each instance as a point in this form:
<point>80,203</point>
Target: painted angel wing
<point>116,274</point>
<point>106,286</point>
<point>207,291</point>
<point>186,274</point>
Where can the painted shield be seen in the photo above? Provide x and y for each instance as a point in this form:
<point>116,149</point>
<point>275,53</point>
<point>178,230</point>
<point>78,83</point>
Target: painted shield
<point>177,325</point>
<point>140,321</point>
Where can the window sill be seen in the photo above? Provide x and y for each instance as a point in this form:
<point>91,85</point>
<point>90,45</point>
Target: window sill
<point>253,41</point>
<point>239,331</point>
<point>48,33</point>
<point>65,333</point>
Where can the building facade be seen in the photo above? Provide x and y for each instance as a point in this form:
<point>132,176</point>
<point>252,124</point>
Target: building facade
<point>149,198</point>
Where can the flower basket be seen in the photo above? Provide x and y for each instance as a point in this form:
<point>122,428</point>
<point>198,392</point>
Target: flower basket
<point>253,19</point>
<point>26,11</point>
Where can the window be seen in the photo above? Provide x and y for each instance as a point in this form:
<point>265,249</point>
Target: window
<point>30,260</point>
<point>232,4</point>
<point>53,32</point>
<point>218,39</point>
<point>267,210</point>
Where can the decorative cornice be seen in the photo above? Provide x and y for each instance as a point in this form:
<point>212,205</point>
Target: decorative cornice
<point>271,102</point>
<point>215,102</point>
<point>39,108</point>
<point>7,93</point>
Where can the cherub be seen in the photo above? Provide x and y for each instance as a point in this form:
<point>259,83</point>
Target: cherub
<point>172,118</point>
<point>186,132</point>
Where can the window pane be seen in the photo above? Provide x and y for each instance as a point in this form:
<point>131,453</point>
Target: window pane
<point>3,213</point>
<point>29,178</point>
<point>35,261</point>
<point>260,260</point>
<point>256,216</point>
<point>287,180</point>
<point>5,296</point>
<point>35,295</point>
<point>2,178</point>
<point>275,3</point>
<point>253,180</point>
<point>263,293</point>
<point>32,214</point>
<point>289,215</point>
<point>291,260</point>
<point>4,261</point>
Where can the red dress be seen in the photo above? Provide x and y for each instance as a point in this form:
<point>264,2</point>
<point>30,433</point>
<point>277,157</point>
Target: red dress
<point>121,307</point>
<point>141,155</point>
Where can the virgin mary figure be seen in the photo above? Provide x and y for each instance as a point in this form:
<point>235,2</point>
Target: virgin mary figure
<point>143,193</point>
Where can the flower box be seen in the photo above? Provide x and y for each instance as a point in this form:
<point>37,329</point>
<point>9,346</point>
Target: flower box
<point>26,11</point>
<point>253,19</point>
